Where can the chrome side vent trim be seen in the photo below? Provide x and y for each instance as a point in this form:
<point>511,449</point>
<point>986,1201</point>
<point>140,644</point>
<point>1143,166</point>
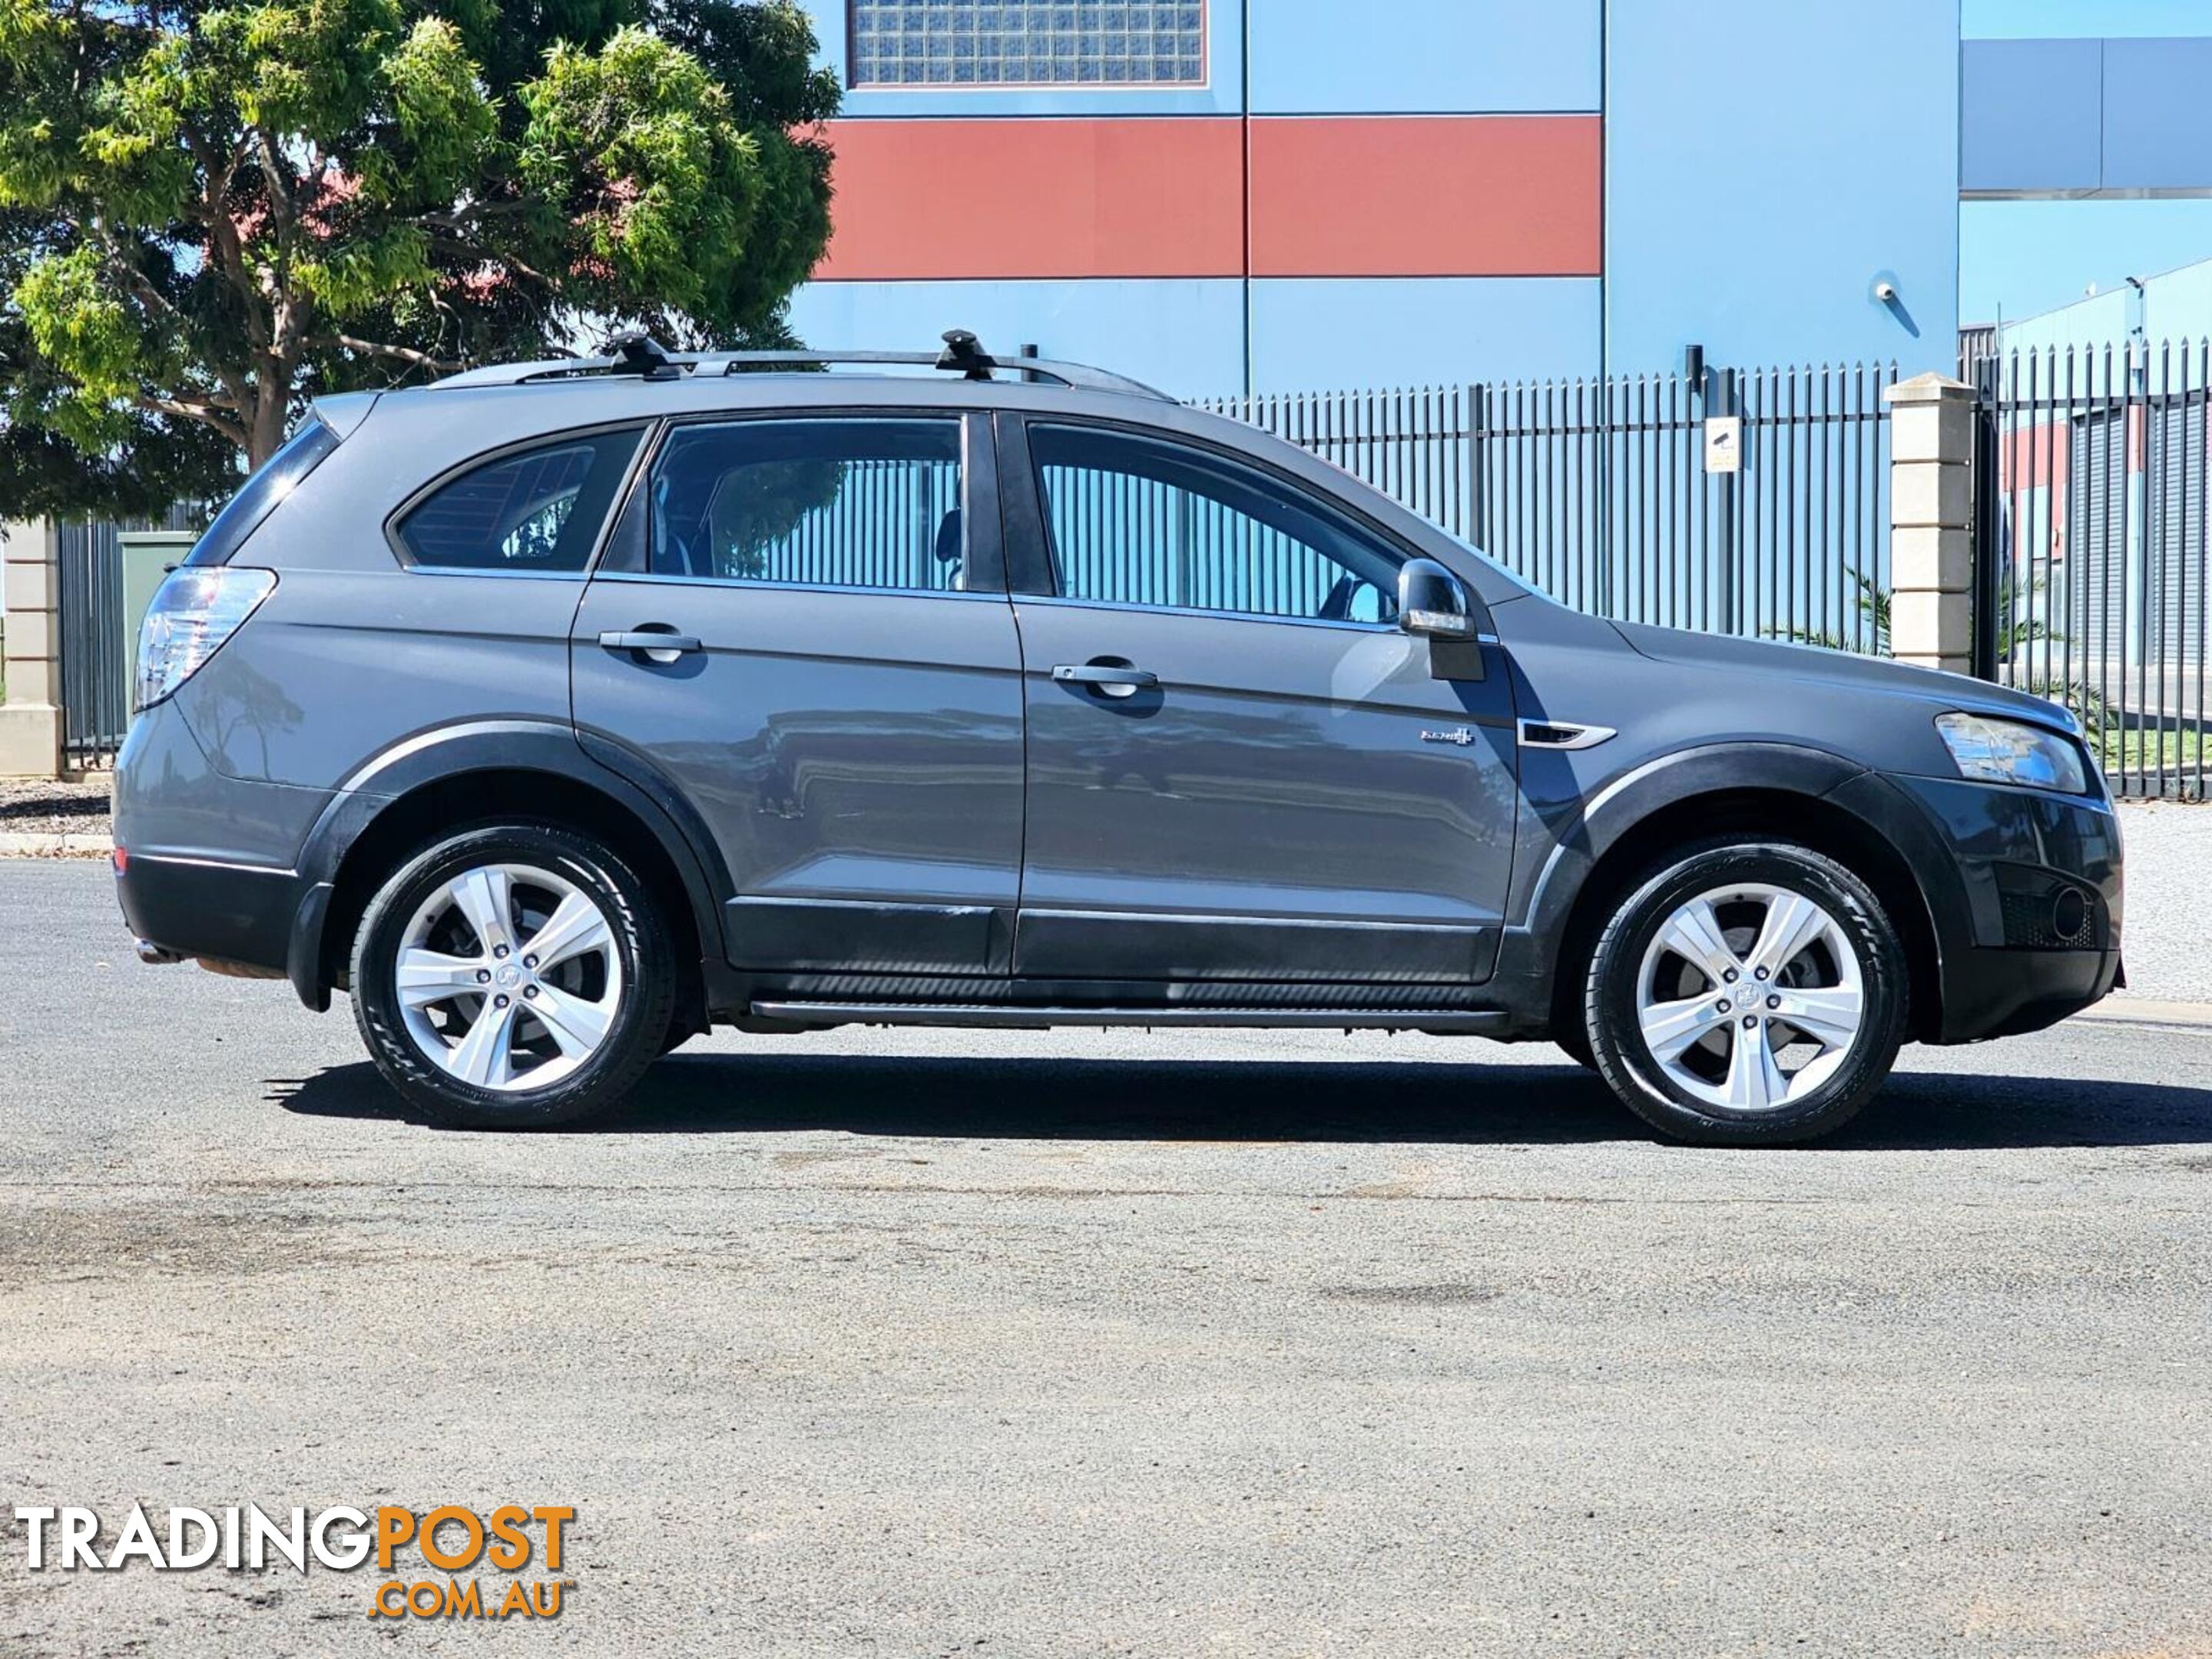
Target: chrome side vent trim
<point>1562,734</point>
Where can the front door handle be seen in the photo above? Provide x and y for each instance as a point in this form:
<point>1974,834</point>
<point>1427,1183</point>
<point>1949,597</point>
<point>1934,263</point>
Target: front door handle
<point>656,642</point>
<point>1110,679</point>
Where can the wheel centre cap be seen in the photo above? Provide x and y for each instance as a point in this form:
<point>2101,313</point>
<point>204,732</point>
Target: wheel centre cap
<point>509,975</point>
<point>1747,996</point>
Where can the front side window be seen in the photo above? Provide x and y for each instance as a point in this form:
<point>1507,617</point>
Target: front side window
<point>983,43</point>
<point>535,509</point>
<point>818,503</point>
<point>1137,521</point>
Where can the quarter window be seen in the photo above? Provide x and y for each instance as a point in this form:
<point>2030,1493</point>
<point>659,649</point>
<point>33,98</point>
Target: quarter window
<point>1137,521</point>
<point>820,503</point>
<point>539,509</point>
<point>282,474</point>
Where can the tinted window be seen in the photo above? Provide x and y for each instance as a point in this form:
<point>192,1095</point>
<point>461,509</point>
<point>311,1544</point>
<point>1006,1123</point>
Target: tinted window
<point>536,509</point>
<point>1137,521</point>
<point>277,478</point>
<point>828,503</point>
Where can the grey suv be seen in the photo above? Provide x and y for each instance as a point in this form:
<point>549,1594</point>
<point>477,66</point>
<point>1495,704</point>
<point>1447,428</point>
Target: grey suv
<point>560,711</point>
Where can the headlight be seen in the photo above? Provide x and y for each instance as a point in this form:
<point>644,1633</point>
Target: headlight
<point>2012,751</point>
<point>194,612</point>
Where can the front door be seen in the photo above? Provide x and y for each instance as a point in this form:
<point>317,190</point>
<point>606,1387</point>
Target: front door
<point>1239,767</point>
<point>841,699</point>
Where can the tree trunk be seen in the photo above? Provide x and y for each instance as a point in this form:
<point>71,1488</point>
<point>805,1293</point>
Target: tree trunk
<point>264,433</point>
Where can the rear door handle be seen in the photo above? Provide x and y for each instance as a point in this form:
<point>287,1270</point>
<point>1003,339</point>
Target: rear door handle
<point>658,644</point>
<point>1108,679</point>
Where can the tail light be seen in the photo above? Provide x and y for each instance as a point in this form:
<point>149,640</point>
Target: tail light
<point>195,611</point>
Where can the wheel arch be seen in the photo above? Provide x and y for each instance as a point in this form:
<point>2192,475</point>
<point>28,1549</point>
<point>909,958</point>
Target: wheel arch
<point>511,770</point>
<point>1769,790</point>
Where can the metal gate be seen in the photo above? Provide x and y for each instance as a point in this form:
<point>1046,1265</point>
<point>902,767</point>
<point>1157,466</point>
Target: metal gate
<point>1601,492</point>
<point>96,636</point>
<point>95,698</point>
<point>2091,563</point>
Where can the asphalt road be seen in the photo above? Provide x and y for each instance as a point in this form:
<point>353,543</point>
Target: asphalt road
<point>909,1343</point>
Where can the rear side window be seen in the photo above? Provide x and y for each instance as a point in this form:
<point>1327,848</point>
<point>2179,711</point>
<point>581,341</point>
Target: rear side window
<point>540,508</point>
<point>842,502</point>
<point>277,478</point>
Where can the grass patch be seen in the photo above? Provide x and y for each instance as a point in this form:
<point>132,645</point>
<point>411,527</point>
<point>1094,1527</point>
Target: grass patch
<point>2138,752</point>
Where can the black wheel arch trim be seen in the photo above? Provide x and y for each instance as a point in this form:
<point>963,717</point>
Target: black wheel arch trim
<point>443,753</point>
<point>1529,951</point>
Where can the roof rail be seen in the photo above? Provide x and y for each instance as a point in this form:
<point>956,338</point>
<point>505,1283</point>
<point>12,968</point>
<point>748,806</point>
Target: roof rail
<point>642,355</point>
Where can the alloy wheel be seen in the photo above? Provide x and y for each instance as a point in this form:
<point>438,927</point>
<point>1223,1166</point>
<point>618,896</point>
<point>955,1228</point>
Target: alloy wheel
<point>507,976</point>
<point>1749,997</point>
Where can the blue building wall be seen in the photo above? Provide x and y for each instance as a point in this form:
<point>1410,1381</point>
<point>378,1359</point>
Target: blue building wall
<point>1322,334</point>
<point>1764,164</point>
<point>1184,337</point>
<point>1425,57</point>
<point>2175,307</point>
<point>2118,118</point>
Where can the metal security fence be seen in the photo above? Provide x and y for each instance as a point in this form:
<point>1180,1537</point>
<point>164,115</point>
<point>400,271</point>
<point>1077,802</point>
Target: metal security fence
<point>96,634</point>
<point>95,695</point>
<point>1741,501</point>
<point>2092,583</point>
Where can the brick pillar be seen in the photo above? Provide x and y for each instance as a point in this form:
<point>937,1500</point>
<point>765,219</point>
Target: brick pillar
<point>1931,518</point>
<point>30,586</point>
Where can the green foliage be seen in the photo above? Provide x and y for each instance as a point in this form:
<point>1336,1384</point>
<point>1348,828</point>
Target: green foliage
<point>216,211</point>
<point>1872,636</point>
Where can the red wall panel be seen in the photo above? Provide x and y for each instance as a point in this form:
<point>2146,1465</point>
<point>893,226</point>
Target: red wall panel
<point>1037,196</point>
<point>1427,196</point>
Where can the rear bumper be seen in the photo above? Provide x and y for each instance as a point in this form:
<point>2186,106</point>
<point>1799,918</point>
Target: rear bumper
<point>208,860</point>
<point>199,907</point>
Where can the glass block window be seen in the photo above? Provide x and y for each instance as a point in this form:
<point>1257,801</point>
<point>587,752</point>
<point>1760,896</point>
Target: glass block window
<point>997,43</point>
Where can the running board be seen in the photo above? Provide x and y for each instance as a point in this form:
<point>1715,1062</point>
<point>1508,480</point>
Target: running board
<point>1037,1019</point>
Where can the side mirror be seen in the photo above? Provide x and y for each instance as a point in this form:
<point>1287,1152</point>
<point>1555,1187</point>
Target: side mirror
<point>1431,601</point>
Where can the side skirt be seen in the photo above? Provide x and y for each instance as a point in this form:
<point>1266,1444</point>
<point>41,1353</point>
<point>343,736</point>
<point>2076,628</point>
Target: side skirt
<point>1034,1018</point>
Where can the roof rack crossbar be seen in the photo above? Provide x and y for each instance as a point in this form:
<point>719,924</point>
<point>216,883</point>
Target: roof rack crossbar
<point>641,356</point>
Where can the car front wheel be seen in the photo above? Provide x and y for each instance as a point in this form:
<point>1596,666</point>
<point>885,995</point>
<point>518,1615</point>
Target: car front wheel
<point>1747,993</point>
<point>512,976</point>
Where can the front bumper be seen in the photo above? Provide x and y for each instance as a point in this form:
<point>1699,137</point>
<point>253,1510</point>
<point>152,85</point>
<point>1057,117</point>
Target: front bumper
<point>2024,890</point>
<point>1994,993</point>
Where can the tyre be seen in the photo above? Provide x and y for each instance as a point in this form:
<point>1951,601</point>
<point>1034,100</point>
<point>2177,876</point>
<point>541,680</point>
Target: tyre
<point>513,976</point>
<point>1747,993</point>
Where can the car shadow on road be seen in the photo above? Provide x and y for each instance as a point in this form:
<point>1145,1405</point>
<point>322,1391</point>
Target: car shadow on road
<point>1062,1099</point>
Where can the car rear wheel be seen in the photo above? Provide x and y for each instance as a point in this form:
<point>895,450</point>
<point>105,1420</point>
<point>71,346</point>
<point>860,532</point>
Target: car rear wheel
<point>512,976</point>
<point>1747,993</point>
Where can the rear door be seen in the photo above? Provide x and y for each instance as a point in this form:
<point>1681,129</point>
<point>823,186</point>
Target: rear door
<point>1239,767</point>
<point>839,696</point>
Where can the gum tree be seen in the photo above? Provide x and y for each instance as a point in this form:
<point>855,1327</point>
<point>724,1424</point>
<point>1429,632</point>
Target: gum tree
<point>212,211</point>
